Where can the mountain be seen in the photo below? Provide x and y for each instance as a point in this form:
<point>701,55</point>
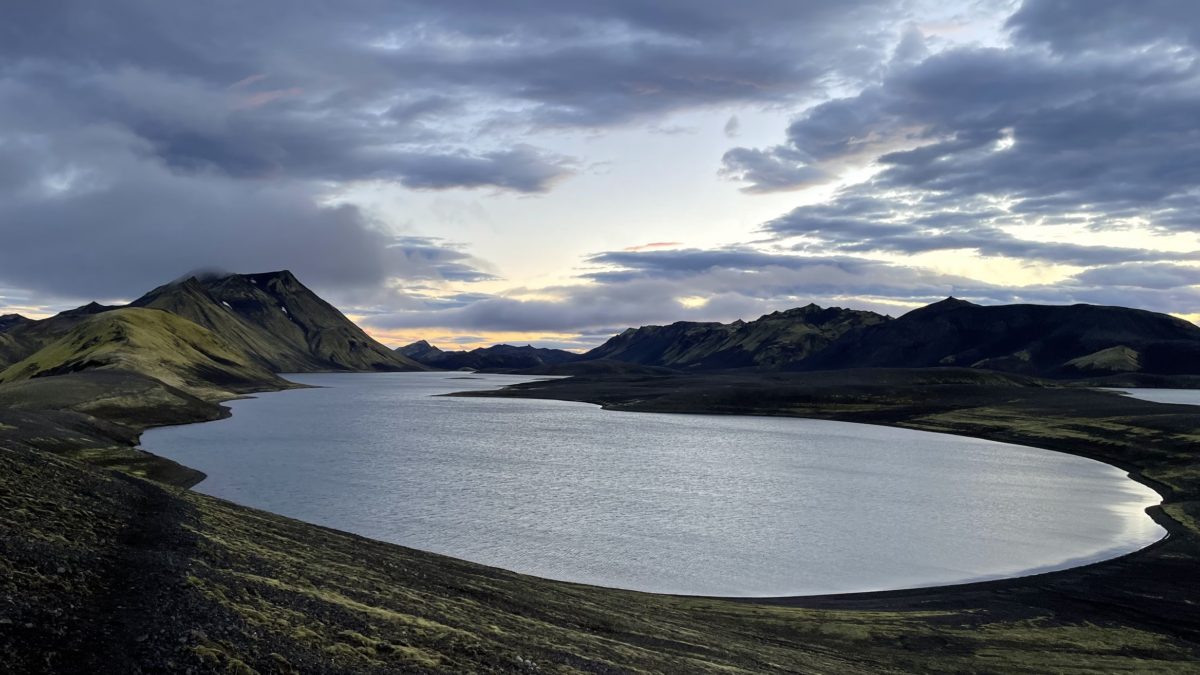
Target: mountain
<point>1047,340</point>
<point>154,343</point>
<point>497,357</point>
<point>10,321</point>
<point>773,341</point>
<point>420,351</point>
<point>599,367</point>
<point>277,321</point>
<point>22,336</point>
<point>215,336</point>
<point>10,349</point>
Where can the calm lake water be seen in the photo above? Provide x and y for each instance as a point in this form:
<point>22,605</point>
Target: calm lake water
<point>1186,396</point>
<point>694,504</point>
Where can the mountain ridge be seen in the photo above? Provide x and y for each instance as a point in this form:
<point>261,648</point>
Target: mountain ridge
<point>216,337</point>
<point>278,321</point>
<point>1047,340</point>
<point>496,357</point>
<point>1061,341</point>
<point>151,342</point>
<point>772,341</point>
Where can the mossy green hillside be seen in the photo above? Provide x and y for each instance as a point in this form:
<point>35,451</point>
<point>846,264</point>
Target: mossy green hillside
<point>155,343</point>
<point>277,321</point>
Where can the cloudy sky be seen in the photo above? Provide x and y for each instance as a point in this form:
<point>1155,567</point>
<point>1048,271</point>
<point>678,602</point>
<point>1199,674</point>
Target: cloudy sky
<point>552,171</point>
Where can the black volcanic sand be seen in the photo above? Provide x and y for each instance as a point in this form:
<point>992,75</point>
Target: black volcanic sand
<point>101,571</point>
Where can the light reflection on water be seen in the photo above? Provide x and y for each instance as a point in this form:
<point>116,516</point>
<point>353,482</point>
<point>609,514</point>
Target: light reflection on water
<point>694,504</point>
<point>1185,396</point>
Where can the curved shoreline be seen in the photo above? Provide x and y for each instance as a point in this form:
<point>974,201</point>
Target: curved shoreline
<point>643,397</point>
<point>1171,527</point>
<point>112,569</point>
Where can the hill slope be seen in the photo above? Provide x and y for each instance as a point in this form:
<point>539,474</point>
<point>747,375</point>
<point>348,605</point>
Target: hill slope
<point>151,342</point>
<point>775,340</point>
<point>420,351</point>
<point>496,357</point>
<point>20,336</point>
<point>1060,341</point>
<point>278,321</point>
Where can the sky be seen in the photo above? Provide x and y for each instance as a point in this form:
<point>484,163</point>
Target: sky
<point>552,172</point>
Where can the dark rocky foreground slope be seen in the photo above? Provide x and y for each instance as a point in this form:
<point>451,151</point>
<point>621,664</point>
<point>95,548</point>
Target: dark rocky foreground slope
<point>104,572</point>
<point>97,417</point>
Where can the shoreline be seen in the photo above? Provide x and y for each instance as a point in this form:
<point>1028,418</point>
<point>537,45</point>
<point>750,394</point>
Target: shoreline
<point>157,575</point>
<point>1170,526</point>
<point>1177,532</point>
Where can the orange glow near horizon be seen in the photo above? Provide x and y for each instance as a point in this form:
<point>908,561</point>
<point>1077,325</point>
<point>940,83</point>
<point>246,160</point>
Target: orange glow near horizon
<point>26,311</point>
<point>449,339</point>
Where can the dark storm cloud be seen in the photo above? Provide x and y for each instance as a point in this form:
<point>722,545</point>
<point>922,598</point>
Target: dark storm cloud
<point>1108,133</point>
<point>687,262</point>
<point>193,127</point>
<point>523,169</point>
<point>777,169</point>
<point>1102,24</point>
<point>91,218</point>
<point>390,90</point>
<point>431,258</point>
<point>1160,276</point>
<point>140,139</point>
<point>857,223</point>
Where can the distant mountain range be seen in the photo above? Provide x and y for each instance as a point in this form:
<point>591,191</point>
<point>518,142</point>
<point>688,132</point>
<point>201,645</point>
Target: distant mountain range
<point>1076,341</point>
<point>1046,340</point>
<point>497,357</point>
<point>216,336</point>
<point>775,341</point>
<point>211,336</point>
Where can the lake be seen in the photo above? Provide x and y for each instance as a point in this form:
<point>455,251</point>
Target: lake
<point>1184,396</point>
<point>690,504</point>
